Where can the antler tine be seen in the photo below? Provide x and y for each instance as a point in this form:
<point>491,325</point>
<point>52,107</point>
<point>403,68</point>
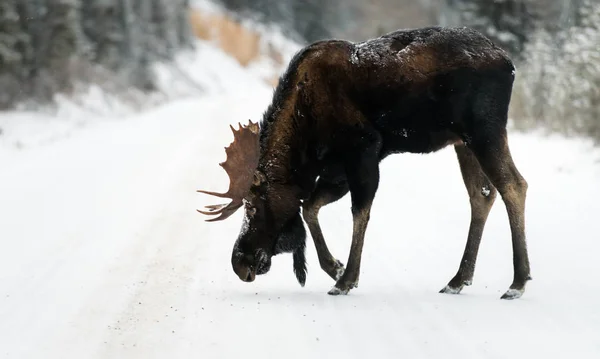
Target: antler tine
<point>225,210</point>
<point>214,209</point>
<point>223,215</point>
<point>216,194</point>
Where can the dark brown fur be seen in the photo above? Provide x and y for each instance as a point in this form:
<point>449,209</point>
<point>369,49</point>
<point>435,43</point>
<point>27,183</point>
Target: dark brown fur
<point>341,108</point>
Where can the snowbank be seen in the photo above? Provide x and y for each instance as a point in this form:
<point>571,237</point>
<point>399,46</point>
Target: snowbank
<point>206,71</point>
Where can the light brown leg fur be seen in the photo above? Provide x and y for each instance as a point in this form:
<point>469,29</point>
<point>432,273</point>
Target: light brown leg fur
<point>482,195</point>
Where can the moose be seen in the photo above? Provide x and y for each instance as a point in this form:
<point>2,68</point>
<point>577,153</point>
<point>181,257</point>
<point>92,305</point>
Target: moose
<point>340,108</point>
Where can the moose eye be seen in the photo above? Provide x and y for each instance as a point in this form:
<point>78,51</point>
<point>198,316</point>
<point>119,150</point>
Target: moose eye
<point>259,178</point>
<point>252,211</point>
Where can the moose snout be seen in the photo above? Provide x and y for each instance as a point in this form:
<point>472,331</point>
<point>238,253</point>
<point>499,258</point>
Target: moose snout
<point>247,266</point>
<point>244,271</point>
<point>246,274</point>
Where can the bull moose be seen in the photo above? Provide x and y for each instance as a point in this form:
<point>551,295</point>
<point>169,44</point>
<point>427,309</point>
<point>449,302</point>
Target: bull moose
<point>342,107</point>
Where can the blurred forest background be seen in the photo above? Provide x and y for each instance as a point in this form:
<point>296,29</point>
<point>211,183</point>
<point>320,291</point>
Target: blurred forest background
<point>47,46</point>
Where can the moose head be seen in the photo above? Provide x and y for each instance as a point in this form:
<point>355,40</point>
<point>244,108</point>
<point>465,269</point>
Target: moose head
<point>272,222</point>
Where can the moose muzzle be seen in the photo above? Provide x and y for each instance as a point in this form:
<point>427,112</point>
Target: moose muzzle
<point>246,274</point>
<point>248,266</point>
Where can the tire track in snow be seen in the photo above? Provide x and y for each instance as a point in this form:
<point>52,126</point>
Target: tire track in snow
<point>178,268</point>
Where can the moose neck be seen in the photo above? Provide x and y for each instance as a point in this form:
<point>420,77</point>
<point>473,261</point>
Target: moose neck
<point>277,148</point>
<point>282,147</point>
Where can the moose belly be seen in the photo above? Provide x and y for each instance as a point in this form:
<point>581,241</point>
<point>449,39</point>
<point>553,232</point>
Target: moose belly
<point>416,141</point>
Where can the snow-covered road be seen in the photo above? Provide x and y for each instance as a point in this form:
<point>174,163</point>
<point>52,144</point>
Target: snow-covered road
<point>102,254</point>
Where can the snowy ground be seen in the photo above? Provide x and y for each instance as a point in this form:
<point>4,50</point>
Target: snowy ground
<point>102,254</point>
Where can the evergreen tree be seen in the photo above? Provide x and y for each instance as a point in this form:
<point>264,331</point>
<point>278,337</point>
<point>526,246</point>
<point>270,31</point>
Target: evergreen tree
<point>104,27</point>
<point>47,45</point>
<point>138,16</point>
<point>61,48</point>
<point>14,50</point>
<point>506,22</point>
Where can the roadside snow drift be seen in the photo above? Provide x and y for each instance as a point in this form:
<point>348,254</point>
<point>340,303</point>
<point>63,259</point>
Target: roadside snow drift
<point>103,255</point>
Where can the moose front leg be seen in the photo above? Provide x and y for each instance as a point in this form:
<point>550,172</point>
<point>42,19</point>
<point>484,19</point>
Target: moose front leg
<point>326,192</point>
<point>362,174</point>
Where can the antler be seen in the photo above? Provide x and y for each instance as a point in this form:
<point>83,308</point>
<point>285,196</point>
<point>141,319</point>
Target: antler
<point>241,162</point>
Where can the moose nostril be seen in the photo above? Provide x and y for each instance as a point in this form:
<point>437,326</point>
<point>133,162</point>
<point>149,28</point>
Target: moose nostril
<point>249,277</point>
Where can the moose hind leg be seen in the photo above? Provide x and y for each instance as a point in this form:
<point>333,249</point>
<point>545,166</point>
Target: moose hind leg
<point>495,159</point>
<point>481,195</point>
<point>326,192</point>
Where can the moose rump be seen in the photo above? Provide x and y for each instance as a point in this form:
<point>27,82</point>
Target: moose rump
<point>340,108</point>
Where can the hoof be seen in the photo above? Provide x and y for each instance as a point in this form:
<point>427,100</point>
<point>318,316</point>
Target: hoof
<point>451,290</point>
<point>342,289</point>
<point>513,294</point>
<point>337,291</point>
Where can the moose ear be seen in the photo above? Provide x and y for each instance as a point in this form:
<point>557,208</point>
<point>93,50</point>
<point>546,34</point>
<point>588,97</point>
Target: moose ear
<point>259,178</point>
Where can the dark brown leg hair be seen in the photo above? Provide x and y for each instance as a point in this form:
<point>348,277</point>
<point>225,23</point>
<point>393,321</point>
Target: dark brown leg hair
<point>325,193</point>
<point>495,159</point>
<point>482,195</point>
<point>362,173</point>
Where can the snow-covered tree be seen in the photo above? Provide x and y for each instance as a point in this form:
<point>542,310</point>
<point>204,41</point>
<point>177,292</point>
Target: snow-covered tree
<point>558,86</point>
<point>506,22</point>
<point>15,50</point>
<point>104,26</point>
<point>48,45</point>
<point>61,44</point>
